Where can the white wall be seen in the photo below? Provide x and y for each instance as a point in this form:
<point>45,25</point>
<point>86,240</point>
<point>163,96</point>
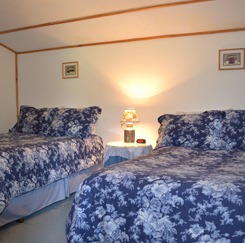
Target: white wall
<point>7,90</point>
<point>155,77</point>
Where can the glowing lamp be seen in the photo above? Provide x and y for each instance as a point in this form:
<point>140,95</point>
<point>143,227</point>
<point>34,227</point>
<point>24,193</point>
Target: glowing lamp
<point>127,122</point>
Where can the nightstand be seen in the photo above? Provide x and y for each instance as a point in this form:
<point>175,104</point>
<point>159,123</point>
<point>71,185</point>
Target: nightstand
<point>116,152</point>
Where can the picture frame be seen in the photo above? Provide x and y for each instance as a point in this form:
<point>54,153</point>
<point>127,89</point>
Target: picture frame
<point>70,70</point>
<point>231,59</point>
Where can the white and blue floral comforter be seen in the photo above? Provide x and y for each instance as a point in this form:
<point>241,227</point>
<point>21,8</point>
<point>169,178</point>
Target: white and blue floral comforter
<point>173,194</point>
<point>28,162</point>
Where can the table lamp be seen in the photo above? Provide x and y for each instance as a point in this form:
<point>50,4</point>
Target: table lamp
<point>128,119</point>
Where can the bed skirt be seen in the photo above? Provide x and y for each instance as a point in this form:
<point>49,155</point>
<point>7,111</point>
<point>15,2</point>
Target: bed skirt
<point>36,200</point>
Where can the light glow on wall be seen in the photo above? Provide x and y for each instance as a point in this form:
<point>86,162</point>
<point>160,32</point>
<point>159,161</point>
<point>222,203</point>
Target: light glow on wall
<point>143,86</point>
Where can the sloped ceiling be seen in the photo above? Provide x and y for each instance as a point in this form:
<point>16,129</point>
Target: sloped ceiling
<point>39,25</point>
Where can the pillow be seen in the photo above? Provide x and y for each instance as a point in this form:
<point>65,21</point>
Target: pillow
<point>57,121</point>
<point>74,122</point>
<point>34,121</point>
<point>233,131</point>
<point>198,130</point>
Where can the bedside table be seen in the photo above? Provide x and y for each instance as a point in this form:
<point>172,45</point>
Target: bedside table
<point>116,152</point>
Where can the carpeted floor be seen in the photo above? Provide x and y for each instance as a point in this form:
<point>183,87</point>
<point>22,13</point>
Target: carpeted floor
<point>45,226</point>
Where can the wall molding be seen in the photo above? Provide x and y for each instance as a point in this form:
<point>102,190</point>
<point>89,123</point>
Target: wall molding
<point>16,85</point>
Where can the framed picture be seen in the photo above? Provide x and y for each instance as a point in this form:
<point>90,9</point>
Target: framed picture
<point>230,59</point>
<point>70,70</point>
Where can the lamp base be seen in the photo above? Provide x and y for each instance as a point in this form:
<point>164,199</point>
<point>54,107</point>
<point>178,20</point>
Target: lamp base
<point>129,136</point>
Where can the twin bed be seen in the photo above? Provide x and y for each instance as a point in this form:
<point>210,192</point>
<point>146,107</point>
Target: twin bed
<point>190,188</point>
<point>45,156</point>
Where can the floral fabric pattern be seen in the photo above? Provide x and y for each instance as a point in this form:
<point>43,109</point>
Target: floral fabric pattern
<point>172,194</point>
<point>57,121</point>
<point>74,122</point>
<point>28,162</point>
<point>233,130</point>
<point>209,130</point>
<point>34,121</point>
<point>201,130</point>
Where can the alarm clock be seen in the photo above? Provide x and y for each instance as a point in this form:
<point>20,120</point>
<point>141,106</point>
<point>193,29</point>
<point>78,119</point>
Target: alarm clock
<point>140,140</point>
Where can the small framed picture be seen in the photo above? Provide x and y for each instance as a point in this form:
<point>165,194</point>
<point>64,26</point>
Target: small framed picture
<point>230,59</point>
<point>70,70</point>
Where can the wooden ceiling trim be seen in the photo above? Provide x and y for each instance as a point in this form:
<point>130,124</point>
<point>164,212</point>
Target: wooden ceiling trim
<point>16,86</point>
<point>174,4</point>
<point>7,48</point>
<point>139,39</point>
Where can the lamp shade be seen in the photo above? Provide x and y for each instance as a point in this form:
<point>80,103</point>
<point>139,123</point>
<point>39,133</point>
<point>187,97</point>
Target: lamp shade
<point>130,116</point>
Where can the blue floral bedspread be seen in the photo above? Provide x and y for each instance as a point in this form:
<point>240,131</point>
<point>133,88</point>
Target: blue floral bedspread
<point>173,194</point>
<point>28,162</point>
